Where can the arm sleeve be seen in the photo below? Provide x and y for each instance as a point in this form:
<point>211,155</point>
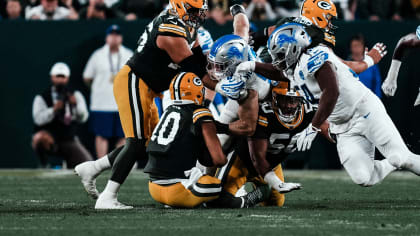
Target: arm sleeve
<point>40,112</point>
<point>378,81</point>
<point>89,72</point>
<point>200,116</point>
<point>82,113</point>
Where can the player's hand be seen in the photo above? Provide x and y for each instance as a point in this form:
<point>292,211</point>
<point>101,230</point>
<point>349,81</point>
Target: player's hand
<point>377,52</point>
<point>417,102</point>
<point>275,182</point>
<point>204,39</point>
<point>389,87</point>
<point>59,105</point>
<point>231,87</point>
<point>306,137</point>
<point>287,187</point>
<point>245,67</point>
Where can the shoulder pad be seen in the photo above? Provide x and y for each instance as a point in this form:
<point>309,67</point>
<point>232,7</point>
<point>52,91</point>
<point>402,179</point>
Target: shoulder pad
<point>172,25</point>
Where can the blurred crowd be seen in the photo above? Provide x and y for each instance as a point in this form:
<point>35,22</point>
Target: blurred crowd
<point>373,10</point>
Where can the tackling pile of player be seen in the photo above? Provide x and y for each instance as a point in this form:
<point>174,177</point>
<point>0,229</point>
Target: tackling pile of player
<point>278,102</point>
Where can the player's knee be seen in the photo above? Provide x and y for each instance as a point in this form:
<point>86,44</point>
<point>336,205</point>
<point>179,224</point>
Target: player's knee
<point>361,178</point>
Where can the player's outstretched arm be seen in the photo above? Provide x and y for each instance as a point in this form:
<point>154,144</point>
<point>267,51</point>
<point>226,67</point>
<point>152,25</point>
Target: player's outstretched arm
<point>248,116</point>
<point>213,144</point>
<point>327,81</point>
<point>372,57</point>
<point>240,21</point>
<point>265,69</point>
<point>389,87</point>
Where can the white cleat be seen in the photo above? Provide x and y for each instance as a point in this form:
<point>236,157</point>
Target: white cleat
<point>88,173</point>
<point>110,202</point>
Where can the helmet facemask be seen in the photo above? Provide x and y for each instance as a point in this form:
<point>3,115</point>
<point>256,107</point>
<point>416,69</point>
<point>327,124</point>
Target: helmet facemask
<point>194,17</point>
<point>288,106</point>
<point>221,70</point>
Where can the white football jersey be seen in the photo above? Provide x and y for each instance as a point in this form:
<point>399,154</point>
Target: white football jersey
<point>350,88</point>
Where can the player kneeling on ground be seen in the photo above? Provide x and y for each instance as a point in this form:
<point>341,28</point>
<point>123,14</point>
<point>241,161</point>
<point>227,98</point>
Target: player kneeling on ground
<point>185,133</point>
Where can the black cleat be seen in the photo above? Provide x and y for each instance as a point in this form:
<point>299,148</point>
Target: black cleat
<point>260,194</point>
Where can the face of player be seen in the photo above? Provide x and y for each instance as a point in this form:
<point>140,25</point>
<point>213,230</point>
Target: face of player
<point>49,5</point>
<point>114,40</point>
<point>287,106</point>
<point>59,80</point>
<point>357,49</point>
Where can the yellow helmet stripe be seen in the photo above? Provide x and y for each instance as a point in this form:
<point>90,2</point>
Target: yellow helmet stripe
<point>176,86</point>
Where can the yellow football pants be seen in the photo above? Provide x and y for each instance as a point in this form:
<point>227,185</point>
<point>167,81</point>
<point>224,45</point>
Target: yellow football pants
<point>206,189</point>
<point>135,100</point>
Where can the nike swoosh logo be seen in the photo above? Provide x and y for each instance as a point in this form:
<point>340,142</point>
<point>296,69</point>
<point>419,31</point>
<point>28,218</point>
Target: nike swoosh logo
<point>366,116</point>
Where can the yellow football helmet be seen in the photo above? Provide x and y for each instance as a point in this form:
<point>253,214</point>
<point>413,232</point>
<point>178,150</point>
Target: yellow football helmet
<point>187,88</point>
<point>287,103</point>
<point>320,13</point>
<point>192,12</point>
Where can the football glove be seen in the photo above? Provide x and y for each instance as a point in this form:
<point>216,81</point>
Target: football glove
<point>280,186</point>
<point>306,137</point>
<point>232,87</point>
<point>390,84</point>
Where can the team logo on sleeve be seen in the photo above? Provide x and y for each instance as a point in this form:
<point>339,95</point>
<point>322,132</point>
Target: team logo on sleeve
<point>324,5</point>
<point>316,61</point>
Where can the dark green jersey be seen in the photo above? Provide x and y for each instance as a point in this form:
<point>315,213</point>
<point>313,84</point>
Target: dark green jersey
<point>318,35</point>
<point>151,63</point>
<point>177,141</point>
<point>278,134</point>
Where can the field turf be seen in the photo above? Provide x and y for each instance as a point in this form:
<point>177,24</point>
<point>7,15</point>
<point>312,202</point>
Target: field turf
<point>47,202</point>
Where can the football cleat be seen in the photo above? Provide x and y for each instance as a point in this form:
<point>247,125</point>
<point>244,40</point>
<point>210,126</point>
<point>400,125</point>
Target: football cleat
<point>107,201</point>
<point>260,194</point>
<point>88,173</point>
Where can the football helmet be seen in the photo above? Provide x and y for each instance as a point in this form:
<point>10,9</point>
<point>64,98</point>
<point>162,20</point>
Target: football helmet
<point>320,12</point>
<point>287,103</point>
<point>191,12</point>
<point>286,44</point>
<point>225,54</point>
<point>187,88</point>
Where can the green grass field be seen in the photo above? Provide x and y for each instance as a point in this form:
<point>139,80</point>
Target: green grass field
<point>46,202</point>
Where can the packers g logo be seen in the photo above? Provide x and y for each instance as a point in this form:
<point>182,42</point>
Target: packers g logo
<point>197,81</point>
<point>324,5</point>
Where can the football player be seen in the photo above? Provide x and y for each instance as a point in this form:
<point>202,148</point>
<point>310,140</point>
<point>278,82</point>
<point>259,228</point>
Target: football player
<point>279,120</point>
<point>406,43</point>
<point>186,133</point>
<point>356,116</point>
<point>163,50</point>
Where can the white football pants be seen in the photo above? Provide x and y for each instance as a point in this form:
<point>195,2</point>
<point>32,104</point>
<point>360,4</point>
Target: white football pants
<point>372,127</point>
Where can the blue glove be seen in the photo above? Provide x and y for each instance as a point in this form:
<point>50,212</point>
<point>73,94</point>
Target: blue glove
<point>232,87</point>
<point>204,39</point>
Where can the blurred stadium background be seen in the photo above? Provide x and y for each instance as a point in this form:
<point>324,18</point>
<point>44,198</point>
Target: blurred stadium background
<point>31,46</point>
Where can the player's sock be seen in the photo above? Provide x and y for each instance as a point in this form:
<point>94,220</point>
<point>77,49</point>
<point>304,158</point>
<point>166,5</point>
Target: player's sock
<point>123,164</point>
<point>226,200</point>
<point>102,163</point>
<point>113,155</point>
<point>112,188</point>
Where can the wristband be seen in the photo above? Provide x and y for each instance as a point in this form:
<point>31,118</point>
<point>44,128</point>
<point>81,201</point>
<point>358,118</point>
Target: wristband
<point>369,61</point>
<point>222,128</point>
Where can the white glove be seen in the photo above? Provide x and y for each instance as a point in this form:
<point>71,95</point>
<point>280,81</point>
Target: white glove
<point>390,84</point>
<point>204,39</point>
<point>306,137</point>
<point>280,186</point>
<point>245,67</point>
<point>232,87</point>
<point>417,102</point>
<point>193,176</point>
